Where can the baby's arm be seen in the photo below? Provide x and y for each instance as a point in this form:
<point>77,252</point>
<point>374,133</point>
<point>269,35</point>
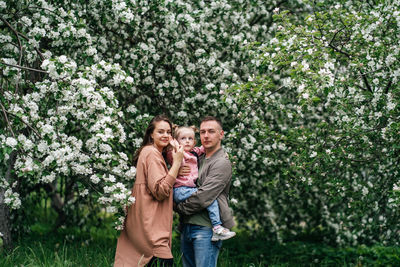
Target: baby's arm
<point>199,150</point>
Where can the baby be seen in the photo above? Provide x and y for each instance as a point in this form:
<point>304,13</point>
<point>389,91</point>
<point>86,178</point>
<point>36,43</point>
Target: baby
<point>185,186</point>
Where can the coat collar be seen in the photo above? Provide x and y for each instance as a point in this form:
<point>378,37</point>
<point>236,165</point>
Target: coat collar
<point>217,154</point>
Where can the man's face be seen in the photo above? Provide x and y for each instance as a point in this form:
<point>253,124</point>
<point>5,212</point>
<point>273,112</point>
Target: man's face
<point>211,135</point>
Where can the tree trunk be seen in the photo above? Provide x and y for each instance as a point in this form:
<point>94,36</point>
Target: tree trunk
<point>56,203</point>
<point>5,225</point>
<point>5,228</point>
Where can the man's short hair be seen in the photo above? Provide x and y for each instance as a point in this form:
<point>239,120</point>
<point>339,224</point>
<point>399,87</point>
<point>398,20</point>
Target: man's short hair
<point>211,118</point>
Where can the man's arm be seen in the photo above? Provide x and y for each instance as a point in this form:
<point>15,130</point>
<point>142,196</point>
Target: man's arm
<point>214,184</point>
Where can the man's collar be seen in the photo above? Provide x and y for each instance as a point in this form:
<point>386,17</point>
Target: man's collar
<point>216,153</point>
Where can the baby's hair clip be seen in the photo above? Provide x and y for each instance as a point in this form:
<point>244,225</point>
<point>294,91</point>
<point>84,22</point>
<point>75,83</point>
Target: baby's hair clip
<point>194,128</point>
<point>175,126</point>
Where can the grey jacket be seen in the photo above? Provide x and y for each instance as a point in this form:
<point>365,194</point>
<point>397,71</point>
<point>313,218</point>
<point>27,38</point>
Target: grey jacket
<point>213,183</point>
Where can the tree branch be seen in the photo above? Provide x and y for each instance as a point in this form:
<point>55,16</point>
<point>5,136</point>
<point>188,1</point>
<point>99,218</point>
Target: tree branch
<point>334,36</point>
<point>23,68</point>
<point>339,51</point>
<point>388,87</point>
<point>17,35</point>
<point>27,124</point>
<point>7,121</point>
<point>366,82</point>
<point>37,50</point>
<point>19,44</point>
<point>19,41</point>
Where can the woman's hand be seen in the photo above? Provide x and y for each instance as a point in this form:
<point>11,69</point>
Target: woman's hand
<point>174,143</point>
<point>177,154</point>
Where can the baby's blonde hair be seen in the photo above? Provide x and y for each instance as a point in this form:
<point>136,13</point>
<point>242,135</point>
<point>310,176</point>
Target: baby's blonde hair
<point>178,130</point>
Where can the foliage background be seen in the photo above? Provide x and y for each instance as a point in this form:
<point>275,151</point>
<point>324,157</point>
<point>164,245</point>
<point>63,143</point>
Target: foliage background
<point>307,90</point>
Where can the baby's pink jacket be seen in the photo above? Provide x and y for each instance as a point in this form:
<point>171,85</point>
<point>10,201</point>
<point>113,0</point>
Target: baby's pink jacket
<point>190,160</point>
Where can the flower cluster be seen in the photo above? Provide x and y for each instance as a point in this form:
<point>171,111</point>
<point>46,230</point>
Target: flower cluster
<point>320,125</point>
<point>312,126</point>
<point>81,82</point>
<point>75,123</point>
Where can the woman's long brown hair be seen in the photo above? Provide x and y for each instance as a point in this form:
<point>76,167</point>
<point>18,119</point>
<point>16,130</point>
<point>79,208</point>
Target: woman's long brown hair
<point>147,140</point>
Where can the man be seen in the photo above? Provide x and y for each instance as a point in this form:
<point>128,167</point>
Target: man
<point>215,173</point>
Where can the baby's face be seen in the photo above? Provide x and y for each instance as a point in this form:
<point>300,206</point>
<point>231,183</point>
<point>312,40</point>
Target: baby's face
<point>186,139</point>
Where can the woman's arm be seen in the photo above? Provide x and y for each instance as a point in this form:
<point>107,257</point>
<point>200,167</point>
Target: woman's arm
<point>159,181</point>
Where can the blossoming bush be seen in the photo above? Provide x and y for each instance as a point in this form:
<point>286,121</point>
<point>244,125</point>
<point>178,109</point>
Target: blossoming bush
<point>80,81</point>
<point>68,127</point>
<point>319,127</point>
<point>313,134</point>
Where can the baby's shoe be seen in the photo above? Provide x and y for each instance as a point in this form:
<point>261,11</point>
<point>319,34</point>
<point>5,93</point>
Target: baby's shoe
<point>221,233</point>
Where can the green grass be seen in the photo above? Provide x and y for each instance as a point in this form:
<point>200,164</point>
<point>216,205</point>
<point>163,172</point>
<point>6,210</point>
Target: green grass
<point>56,249</point>
<point>243,252</point>
<point>96,247</point>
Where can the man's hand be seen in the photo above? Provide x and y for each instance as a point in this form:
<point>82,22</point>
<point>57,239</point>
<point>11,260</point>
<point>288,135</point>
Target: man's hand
<point>184,170</point>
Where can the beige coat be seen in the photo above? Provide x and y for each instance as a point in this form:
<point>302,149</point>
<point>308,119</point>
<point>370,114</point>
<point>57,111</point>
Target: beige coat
<point>148,225</point>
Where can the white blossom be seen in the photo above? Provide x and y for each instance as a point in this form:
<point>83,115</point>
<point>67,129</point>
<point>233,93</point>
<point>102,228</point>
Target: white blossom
<point>236,183</point>
<point>63,59</point>
<point>10,141</point>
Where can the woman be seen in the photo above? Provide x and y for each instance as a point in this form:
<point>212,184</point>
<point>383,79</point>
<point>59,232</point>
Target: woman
<point>148,224</point>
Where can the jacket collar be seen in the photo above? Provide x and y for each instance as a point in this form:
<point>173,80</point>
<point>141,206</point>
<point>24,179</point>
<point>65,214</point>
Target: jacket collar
<point>217,154</point>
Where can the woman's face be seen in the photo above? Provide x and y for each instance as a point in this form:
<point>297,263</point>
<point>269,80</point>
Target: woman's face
<point>161,135</point>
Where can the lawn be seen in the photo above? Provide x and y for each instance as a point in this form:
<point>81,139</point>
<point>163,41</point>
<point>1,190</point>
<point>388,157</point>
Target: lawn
<point>96,247</point>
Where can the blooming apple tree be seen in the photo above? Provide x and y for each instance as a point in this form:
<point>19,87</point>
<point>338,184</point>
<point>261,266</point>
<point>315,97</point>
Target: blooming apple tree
<point>319,127</point>
<point>80,81</point>
<point>68,126</point>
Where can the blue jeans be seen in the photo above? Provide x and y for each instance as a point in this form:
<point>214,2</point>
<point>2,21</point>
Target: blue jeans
<point>197,248</point>
<point>183,192</point>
